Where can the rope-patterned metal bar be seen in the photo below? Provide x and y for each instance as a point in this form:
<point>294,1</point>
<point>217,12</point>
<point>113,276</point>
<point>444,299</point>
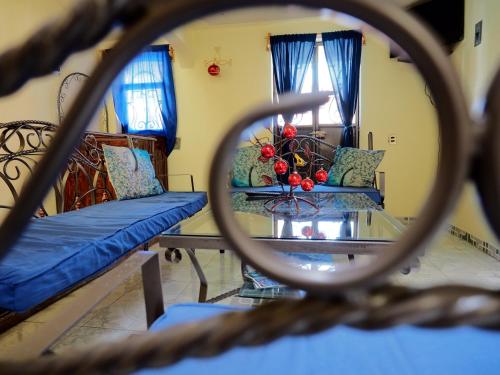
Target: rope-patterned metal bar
<point>436,307</point>
<point>375,308</point>
<point>47,49</point>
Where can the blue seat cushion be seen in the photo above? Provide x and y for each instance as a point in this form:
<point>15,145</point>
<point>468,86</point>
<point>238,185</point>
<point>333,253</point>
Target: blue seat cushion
<point>371,192</point>
<point>57,252</point>
<point>344,350</point>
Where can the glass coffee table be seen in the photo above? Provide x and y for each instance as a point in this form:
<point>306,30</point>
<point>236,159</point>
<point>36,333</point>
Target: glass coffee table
<point>346,223</point>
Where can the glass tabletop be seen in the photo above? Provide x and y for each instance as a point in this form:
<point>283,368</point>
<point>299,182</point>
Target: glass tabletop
<point>340,217</point>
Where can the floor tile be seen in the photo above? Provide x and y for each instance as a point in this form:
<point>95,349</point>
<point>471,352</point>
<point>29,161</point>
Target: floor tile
<point>122,313</point>
<point>14,338</point>
<point>81,337</point>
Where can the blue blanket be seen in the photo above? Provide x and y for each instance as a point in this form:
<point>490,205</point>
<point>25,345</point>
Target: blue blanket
<point>344,350</point>
<point>57,252</point>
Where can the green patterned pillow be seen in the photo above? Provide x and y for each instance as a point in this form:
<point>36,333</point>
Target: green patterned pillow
<point>354,167</point>
<point>127,180</point>
<point>248,169</point>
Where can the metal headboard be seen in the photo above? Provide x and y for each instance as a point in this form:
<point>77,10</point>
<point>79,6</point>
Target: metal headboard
<point>65,89</point>
<point>23,143</point>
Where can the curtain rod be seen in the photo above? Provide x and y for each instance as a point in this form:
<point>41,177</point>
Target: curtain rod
<point>268,40</point>
<point>171,52</point>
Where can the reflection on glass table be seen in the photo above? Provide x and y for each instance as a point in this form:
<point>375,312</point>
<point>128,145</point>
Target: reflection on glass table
<point>342,217</point>
<point>346,223</point>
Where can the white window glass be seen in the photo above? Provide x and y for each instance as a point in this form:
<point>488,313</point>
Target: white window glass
<point>329,112</point>
<point>307,86</point>
<point>144,109</point>
<point>324,81</point>
<point>300,119</point>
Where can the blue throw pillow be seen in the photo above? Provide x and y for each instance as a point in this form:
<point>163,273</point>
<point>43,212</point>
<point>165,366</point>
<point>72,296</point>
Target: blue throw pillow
<point>248,170</point>
<point>354,167</point>
<point>131,172</point>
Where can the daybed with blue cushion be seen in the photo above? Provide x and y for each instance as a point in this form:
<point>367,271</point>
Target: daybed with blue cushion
<point>58,253</point>
<point>350,170</point>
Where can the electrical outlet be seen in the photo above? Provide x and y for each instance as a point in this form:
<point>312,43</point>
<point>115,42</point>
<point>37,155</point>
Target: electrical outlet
<point>392,139</point>
<point>478,33</point>
<point>177,144</point>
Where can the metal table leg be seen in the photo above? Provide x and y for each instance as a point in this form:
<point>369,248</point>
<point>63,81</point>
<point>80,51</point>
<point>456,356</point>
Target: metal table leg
<point>202,296</point>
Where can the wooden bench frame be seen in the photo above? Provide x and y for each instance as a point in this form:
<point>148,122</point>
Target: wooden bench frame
<point>95,291</point>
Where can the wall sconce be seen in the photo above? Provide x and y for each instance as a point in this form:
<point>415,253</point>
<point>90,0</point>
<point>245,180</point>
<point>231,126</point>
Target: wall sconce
<point>213,65</point>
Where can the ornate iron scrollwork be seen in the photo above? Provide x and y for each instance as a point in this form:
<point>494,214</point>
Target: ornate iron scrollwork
<point>23,143</point>
<point>381,307</point>
<point>65,89</point>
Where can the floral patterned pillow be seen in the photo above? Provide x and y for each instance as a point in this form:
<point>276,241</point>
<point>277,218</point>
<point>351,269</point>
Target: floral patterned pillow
<point>248,170</point>
<point>131,172</point>
<point>354,167</point>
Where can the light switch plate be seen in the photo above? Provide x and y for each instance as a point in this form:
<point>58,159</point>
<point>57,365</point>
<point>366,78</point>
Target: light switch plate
<point>392,139</point>
<point>478,33</point>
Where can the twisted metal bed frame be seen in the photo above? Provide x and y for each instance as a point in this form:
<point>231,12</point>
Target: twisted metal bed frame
<point>359,298</point>
<point>23,143</point>
<point>64,89</point>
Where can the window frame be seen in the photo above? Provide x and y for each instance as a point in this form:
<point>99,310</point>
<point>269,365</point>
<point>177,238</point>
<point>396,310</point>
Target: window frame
<point>316,125</point>
<point>153,85</point>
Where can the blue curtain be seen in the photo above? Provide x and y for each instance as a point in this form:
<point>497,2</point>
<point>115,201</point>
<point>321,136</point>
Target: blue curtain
<point>292,55</point>
<point>144,95</point>
<point>343,56</point>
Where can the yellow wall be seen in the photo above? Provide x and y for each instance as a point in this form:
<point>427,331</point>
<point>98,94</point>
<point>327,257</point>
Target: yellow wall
<point>37,100</point>
<point>477,66</point>
<point>392,101</point>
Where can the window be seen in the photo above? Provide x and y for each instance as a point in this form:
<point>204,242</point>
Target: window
<point>144,102</point>
<point>144,94</point>
<point>317,80</point>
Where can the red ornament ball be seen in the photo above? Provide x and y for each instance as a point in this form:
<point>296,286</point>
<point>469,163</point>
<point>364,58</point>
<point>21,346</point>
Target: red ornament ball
<point>281,167</point>
<point>307,184</point>
<point>321,236</point>
<point>268,151</point>
<point>294,179</point>
<point>289,131</point>
<point>307,231</point>
<point>214,70</point>
<point>321,175</point>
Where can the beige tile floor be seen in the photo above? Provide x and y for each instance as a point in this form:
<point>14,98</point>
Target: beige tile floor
<point>448,260</point>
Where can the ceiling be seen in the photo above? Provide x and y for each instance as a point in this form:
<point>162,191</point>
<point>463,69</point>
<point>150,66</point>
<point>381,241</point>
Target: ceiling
<point>268,14</point>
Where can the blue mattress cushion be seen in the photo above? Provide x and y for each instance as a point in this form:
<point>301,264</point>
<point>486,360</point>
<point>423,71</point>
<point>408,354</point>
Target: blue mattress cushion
<point>344,350</point>
<point>56,252</point>
<point>371,192</point>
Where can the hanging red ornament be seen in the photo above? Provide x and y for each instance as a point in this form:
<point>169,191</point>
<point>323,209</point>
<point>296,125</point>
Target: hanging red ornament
<point>289,131</point>
<point>214,70</point>
<point>268,151</point>
<point>294,179</point>
<point>281,167</point>
<point>321,175</point>
<point>307,184</point>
